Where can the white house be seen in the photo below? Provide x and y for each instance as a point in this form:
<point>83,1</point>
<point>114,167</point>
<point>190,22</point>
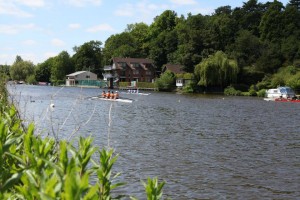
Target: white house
<point>80,76</point>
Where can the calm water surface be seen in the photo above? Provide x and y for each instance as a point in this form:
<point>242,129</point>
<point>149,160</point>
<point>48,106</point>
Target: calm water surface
<point>204,147</point>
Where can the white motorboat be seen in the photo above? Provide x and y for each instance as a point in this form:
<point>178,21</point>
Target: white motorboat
<point>280,92</point>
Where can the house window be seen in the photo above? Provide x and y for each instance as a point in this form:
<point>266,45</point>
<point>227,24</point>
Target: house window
<point>123,64</point>
<point>135,72</point>
<point>87,76</point>
<point>148,73</point>
<point>135,64</point>
<point>123,73</point>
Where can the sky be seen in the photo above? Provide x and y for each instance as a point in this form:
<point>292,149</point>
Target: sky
<point>39,29</point>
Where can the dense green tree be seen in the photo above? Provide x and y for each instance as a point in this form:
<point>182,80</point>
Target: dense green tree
<point>193,41</point>
<point>18,59</point>
<point>140,33</point>
<point>249,16</point>
<point>43,70</point>
<point>164,22</point>
<point>295,3</point>
<point>61,66</point>
<point>88,57</point>
<point>4,69</point>
<point>162,38</point>
<point>120,45</point>
<point>4,72</point>
<point>20,70</point>
<point>162,47</point>
<point>246,48</point>
<point>272,23</point>
<point>216,70</point>
<point>222,28</point>
<point>271,58</point>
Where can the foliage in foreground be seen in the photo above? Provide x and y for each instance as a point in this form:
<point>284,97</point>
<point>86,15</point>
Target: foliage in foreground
<point>32,167</point>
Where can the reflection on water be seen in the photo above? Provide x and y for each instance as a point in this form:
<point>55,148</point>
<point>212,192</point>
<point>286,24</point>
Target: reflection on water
<point>204,147</point>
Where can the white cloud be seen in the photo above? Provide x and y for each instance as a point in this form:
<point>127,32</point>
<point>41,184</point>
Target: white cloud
<point>141,11</point>
<point>29,42</point>
<point>14,29</point>
<point>31,3</point>
<point>183,2</point>
<point>125,10</point>
<point>81,3</point>
<point>74,26</point>
<point>4,56</point>
<point>50,54</point>
<point>99,28</point>
<point>10,8</point>
<point>57,42</point>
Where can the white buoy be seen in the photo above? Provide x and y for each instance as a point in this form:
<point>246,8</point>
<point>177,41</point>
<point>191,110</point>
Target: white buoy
<point>52,105</point>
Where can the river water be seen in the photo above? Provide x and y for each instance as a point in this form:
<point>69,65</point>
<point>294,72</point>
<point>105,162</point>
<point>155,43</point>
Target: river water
<point>204,147</point>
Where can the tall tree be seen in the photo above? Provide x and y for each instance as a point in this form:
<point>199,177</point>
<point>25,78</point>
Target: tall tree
<point>20,70</point>
<point>272,24</point>
<point>18,59</point>
<point>193,40</point>
<point>164,22</point>
<point>162,39</point>
<point>139,32</point>
<point>88,57</point>
<point>61,66</point>
<point>222,28</point>
<point>295,3</point>
<point>120,45</point>
<point>247,48</point>
<point>249,16</point>
<point>43,70</point>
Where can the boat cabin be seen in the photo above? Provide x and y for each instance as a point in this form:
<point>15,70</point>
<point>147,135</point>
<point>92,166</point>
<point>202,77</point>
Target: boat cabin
<point>283,92</point>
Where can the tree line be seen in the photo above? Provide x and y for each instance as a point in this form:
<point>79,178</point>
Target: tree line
<point>250,45</point>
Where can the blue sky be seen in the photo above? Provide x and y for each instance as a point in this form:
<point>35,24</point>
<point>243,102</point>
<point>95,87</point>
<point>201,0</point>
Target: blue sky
<point>39,29</point>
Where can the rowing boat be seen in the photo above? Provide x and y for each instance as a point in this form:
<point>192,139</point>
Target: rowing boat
<point>114,100</point>
<point>137,93</point>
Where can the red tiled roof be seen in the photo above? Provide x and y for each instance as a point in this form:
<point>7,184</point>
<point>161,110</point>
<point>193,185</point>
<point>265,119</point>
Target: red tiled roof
<point>175,68</point>
<point>143,62</point>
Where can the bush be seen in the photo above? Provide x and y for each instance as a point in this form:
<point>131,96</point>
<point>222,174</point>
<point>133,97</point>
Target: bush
<point>166,82</point>
<point>231,91</point>
<point>261,93</point>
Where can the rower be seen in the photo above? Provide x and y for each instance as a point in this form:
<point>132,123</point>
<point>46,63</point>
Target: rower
<point>112,95</point>
<point>103,94</point>
<point>108,94</point>
<point>116,95</point>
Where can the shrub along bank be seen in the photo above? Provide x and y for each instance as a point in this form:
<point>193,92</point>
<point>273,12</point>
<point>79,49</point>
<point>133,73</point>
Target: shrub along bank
<point>32,167</point>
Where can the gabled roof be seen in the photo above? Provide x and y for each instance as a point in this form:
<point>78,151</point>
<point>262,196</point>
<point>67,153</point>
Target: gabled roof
<point>143,62</point>
<point>175,68</point>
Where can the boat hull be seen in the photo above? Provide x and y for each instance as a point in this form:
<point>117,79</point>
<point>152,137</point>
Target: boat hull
<point>113,100</point>
<point>283,100</point>
<point>288,100</point>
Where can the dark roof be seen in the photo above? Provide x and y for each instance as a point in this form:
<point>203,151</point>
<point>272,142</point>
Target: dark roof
<point>175,68</point>
<point>143,62</point>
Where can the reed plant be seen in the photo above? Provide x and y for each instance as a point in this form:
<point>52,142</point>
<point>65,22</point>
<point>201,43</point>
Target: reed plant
<point>32,167</point>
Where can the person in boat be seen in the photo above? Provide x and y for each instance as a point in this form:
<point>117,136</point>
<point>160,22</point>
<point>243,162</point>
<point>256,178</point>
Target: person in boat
<point>112,95</point>
<point>108,94</point>
<point>116,95</point>
<point>103,94</point>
